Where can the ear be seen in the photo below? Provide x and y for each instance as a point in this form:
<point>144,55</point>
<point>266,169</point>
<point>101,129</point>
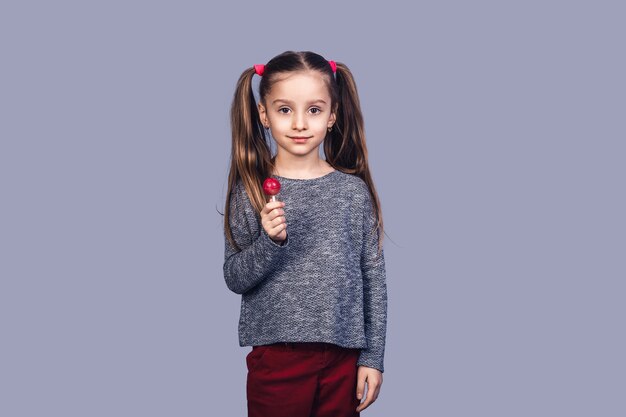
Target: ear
<point>263,115</point>
<point>333,118</point>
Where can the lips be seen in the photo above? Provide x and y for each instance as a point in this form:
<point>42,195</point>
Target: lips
<point>299,139</point>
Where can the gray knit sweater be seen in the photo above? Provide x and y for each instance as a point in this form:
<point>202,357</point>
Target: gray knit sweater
<point>326,282</point>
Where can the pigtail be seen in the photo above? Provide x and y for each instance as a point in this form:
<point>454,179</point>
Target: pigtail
<point>250,152</point>
<point>345,145</point>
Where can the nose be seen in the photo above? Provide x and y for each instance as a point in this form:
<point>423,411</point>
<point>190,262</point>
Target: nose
<point>298,121</point>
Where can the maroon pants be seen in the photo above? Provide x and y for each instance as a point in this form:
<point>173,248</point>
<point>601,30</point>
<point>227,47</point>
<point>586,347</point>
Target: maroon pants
<point>302,380</point>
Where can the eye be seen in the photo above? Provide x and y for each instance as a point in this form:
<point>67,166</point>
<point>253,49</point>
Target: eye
<point>316,110</point>
<point>284,108</point>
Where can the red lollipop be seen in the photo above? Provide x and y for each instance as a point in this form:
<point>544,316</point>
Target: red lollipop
<point>271,187</point>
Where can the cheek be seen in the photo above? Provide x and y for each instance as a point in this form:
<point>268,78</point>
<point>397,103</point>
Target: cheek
<point>320,123</point>
<point>280,122</point>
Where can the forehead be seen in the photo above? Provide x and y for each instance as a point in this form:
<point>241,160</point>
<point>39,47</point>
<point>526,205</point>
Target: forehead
<point>300,86</point>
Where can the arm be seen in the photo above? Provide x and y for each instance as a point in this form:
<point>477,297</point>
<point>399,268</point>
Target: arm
<point>374,291</point>
<point>259,254</point>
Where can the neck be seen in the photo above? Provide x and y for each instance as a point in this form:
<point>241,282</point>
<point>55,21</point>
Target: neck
<point>292,166</point>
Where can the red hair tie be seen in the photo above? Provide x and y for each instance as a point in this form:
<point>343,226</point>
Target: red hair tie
<point>333,65</point>
<point>259,69</point>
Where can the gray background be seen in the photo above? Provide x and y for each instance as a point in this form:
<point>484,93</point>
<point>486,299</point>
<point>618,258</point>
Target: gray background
<point>496,137</point>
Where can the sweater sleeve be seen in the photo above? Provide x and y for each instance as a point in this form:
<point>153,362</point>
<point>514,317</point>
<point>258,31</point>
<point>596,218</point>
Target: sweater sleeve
<point>374,291</point>
<point>259,254</point>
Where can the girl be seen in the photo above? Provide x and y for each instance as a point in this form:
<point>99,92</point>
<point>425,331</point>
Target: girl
<point>310,267</point>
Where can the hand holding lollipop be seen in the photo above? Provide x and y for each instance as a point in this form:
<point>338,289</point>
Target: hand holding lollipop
<point>272,215</point>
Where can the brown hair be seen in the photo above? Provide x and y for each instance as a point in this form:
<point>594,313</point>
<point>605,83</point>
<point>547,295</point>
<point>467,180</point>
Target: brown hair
<point>344,146</point>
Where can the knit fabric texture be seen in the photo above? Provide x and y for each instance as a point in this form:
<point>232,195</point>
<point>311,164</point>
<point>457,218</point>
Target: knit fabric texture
<point>326,282</point>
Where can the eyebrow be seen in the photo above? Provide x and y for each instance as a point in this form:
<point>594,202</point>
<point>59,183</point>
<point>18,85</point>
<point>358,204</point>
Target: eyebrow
<point>319,100</point>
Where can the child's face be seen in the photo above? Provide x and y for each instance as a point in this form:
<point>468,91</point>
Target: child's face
<point>298,106</point>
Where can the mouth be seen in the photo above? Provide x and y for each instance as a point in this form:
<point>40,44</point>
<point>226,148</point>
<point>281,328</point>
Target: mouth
<point>300,139</point>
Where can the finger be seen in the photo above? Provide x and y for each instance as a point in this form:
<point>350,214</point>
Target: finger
<point>370,397</point>
<point>276,213</point>
<point>272,205</point>
<point>278,221</point>
<point>280,227</point>
<point>268,212</point>
<point>360,386</point>
<point>366,403</point>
